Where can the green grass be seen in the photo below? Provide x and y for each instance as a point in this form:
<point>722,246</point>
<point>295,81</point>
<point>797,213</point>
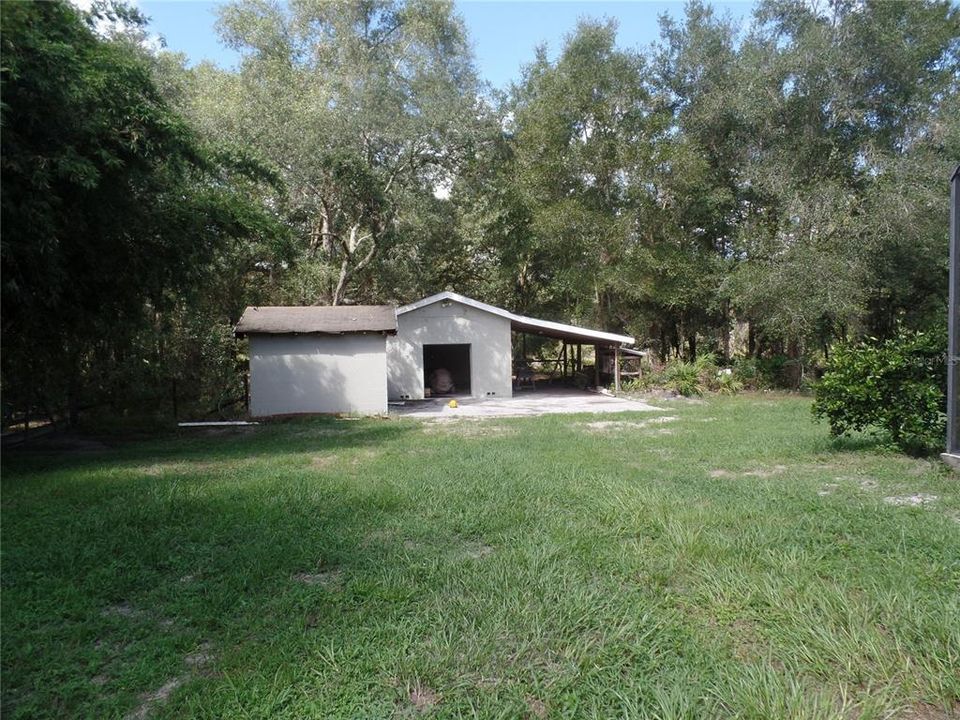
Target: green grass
<point>731,562</point>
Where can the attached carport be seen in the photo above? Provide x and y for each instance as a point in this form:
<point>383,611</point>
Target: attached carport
<point>572,339</point>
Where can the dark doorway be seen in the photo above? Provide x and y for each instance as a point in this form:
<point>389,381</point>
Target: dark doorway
<point>455,360</point>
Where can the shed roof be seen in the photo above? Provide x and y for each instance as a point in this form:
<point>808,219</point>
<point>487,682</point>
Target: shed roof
<point>521,323</point>
<point>327,320</point>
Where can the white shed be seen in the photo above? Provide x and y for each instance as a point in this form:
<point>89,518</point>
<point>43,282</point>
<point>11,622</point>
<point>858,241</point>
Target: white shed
<point>473,341</point>
<point>456,333</point>
<point>318,359</point>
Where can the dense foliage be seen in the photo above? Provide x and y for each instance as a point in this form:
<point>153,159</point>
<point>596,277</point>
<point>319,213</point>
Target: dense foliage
<point>114,213</point>
<point>757,193</point>
<point>896,387</point>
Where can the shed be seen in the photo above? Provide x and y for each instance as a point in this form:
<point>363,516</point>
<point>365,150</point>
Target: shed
<point>318,359</point>
<point>473,341</point>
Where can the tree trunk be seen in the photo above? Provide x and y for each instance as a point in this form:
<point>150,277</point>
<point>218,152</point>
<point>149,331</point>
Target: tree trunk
<point>794,367</point>
<point>726,332</point>
<point>73,391</point>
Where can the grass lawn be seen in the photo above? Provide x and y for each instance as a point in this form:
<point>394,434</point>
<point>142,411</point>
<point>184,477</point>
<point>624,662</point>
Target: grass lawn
<point>724,559</point>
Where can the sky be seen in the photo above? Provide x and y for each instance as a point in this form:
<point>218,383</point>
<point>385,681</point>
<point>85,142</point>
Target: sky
<point>504,34</point>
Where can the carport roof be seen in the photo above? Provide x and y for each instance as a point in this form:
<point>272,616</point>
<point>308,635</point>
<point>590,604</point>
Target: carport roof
<point>326,320</point>
<point>521,323</point>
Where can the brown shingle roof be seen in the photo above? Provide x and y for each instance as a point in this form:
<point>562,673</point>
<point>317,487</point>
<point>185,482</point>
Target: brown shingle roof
<point>327,320</point>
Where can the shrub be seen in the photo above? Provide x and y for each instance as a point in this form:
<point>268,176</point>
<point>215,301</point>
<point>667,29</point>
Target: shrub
<point>683,377</point>
<point>727,383</point>
<point>643,383</point>
<point>895,387</point>
<point>688,378</point>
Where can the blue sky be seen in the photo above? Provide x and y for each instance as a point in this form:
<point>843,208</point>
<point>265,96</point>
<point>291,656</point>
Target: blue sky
<point>504,34</point>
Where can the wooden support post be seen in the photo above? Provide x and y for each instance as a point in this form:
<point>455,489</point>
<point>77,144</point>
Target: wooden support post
<point>596,367</point>
<point>564,360</point>
<point>579,358</point>
<point>616,369</point>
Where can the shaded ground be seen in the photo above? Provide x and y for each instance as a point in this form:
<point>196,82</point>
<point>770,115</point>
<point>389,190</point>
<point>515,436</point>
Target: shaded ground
<point>741,565</point>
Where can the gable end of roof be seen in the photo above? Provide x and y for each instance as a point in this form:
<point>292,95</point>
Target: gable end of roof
<point>521,322</point>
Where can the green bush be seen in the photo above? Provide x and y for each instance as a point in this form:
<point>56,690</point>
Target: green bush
<point>683,377</point>
<point>895,387</point>
<point>727,382</point>
<point>763,373</point>
<point>691,378</point>
<point>688,378</point>
<point>643,383</point>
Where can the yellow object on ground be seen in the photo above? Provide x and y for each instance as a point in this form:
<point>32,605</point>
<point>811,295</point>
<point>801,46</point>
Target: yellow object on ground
<point>452,403</point>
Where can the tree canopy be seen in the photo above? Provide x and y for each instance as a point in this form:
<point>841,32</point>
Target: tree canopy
<point>783,180</point>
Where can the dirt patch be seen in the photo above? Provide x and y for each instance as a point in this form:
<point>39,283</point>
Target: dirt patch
<point>99,680</point>
<point>477,550</point>
<point>862,482</point>
<point>458,551</point>
<point>150,699</point>
<point>423,698</point>
<point>615,425</point>
<point>365,455</point>
<point>920,467</point>
<point>203,655</point>
<point>467,427</point>
<point>827,489</point>
<point>325,578</point>
<point>380,536</point>
<point>120,610</point>
<point>180,467</point>
<point>536,707</point>
<point>746,640</point>
<point>915,500</point>
<point>926,711</point>
<point>767,472</point>
<point>158,469</point>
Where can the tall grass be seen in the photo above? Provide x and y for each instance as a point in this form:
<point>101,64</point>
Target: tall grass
<point>724,559</point>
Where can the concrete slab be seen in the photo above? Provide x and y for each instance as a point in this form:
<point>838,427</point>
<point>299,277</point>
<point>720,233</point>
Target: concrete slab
<point>539,402</point>
<point>952,460</point>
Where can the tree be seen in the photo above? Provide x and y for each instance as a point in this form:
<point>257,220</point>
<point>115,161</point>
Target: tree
<point>842,95</point>
<point>111,205</point>
<point>698,197</point>
<point>579,136</point>
<point>365,109</point>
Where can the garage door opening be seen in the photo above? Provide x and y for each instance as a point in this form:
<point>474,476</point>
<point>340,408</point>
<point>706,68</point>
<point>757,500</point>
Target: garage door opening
<point>446,369</point>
